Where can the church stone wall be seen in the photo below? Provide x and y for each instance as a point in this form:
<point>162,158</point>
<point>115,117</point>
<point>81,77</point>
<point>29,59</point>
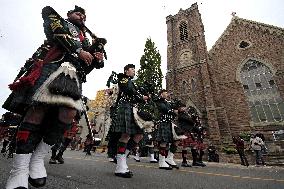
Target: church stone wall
<point>226,61</point>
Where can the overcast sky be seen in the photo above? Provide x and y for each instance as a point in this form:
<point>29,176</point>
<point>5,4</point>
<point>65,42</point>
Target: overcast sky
<point>126,24</point>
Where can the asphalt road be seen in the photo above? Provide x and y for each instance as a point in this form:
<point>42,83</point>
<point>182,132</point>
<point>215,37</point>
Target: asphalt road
<point>91,172</point>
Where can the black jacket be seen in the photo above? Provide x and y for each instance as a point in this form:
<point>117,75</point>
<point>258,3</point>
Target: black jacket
<point>185,122</point>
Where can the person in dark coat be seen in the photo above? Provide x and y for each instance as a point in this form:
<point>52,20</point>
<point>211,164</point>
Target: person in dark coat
<point>124,122</point>
<point>164,133</point>
<point>48,96</point>
<point>186,123</point>
<point>240,147</point>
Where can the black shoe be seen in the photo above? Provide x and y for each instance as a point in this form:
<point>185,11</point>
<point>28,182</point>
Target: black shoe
<point>200,164</point>
<point>39,182</point>
<point>166,168</point>
<point>88,153</point>
<point>20,187</point>
<point>124,175</point>
<point>137,160</point>
<point>60,159</point>
<point>130,172</point>
<point>173,166</point>
<point>52,161</point>
<point>153,161</point>
<point>185,164</point>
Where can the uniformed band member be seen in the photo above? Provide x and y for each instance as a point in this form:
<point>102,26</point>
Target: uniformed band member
<point>125,124</point>
<point>11,121</point>
<point>49,95</point>
<point>147,112</point>
<point>198,147</point>
<point>164,132</point>
<point>186,123</point>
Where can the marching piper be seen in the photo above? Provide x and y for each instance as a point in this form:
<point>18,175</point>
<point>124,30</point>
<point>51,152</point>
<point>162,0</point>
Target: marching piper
<point>49,94</point>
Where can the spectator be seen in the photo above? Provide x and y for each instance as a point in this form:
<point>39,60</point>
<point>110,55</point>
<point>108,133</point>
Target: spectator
<point>256,145</point>
<point>240,147</point>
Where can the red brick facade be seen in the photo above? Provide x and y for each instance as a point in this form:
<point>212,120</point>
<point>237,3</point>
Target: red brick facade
<point>211,82</point>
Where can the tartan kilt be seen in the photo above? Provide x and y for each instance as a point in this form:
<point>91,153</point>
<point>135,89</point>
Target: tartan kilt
<point>20,100</point>
<point>188,142</point>
<point>164,132</point>
<point>199,145</point>
<point>124,122</point>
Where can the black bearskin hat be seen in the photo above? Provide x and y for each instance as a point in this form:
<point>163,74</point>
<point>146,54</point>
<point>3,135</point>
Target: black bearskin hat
<point>78,9</point>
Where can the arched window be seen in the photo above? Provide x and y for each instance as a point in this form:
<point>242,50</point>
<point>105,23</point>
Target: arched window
<point>183,31</point>
<point>265,102</point>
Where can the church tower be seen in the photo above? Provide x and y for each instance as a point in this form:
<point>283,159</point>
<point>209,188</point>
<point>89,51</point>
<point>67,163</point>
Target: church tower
<point>187,72</point>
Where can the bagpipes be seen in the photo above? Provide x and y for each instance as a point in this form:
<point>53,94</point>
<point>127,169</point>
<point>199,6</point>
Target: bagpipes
<point>85,101</point>
<point>83,69</point>
<point>38,55</point>
<point>97,45</point>
<point>144,113</point>
<point>66,80</point>
<point>178,133</point>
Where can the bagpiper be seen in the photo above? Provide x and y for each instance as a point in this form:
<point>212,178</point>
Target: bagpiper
<point>48,95</point>
<point>128,96</point>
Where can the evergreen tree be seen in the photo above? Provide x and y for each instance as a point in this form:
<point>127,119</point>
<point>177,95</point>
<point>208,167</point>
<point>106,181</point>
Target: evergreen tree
<point>150,72</point>
<point>150,67</point>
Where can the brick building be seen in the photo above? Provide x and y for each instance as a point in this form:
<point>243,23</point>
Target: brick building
<point>236,86</point>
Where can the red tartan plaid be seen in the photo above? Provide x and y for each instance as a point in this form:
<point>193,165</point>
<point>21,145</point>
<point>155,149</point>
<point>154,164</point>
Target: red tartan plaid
<point>188,142</point>
<point>23,135</point>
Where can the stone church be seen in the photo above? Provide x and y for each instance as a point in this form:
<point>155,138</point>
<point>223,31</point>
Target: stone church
<point>238,85</point>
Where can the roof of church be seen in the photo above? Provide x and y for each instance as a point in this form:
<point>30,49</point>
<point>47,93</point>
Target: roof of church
<point>249,23</point>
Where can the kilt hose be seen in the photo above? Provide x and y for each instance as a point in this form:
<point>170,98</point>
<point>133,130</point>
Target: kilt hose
<point>124,122</point>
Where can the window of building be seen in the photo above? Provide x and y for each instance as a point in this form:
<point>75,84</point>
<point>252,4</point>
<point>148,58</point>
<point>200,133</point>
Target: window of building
<point>265,102</point>
<point>183,31</point>
<point>244,44</point>
<point>193,85</point>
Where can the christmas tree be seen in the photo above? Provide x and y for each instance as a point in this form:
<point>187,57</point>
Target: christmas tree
<point>149,78</point>
<point>150,67</point>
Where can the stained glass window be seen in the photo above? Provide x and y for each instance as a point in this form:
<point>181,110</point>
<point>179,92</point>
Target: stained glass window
<point>266,104</point>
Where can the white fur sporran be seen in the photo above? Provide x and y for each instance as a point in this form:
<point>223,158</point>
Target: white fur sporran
<point>175,136</point>
<point>146,125</point>
<point>45,96</point>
